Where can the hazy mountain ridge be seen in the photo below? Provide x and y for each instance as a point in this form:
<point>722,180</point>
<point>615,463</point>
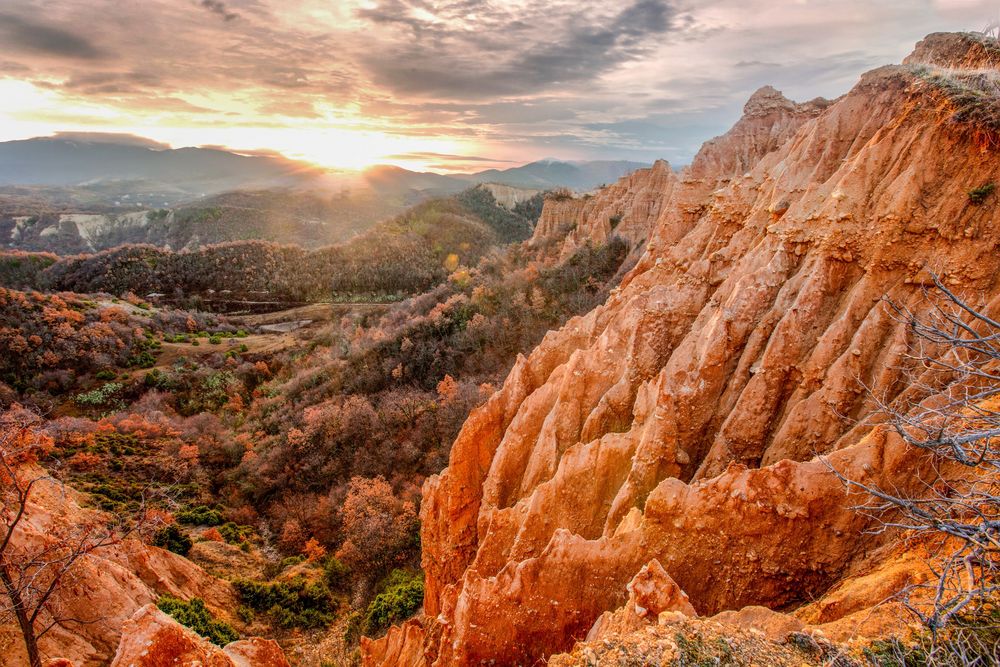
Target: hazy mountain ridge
<point>70,162</point>
<point>85,193</point>
<point>90,160</point>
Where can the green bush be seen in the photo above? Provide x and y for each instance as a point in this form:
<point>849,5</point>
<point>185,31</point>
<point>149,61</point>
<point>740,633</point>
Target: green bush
<point>100,396</point>
<point>234,533</point>
<point>193,614</point>
<point>201,515</point>
<point>157,379</point>
<point>245,614</point>
<point>173,539</point>
<point>697,650</point>
<point>141,360</point>
<point>289,604</point>
<point>979,195</point>
<point>106,374</point>
<point>118,444</point>
<point>216,339</point>
<point>336,574</point>
<point>401,599</point>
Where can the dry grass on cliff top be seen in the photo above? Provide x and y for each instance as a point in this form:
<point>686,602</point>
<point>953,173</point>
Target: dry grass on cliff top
<point>694,642</point>
<point>972,96</point>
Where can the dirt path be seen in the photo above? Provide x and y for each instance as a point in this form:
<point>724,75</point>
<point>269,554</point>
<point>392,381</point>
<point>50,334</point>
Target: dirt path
<point>264,344</point>
<point>317,312</point>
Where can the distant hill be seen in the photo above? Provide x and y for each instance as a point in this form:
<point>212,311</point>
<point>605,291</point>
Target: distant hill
<point>547,174</point>
<point>541,175</point>
<point>113,166</point>
<point>306,218</point>
<point>76,193</point>
<point>88,160</point>
<point>405,254</point>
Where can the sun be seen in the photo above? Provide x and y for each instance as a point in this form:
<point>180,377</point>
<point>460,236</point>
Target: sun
<point>337,148</point>
<point>338,139</point>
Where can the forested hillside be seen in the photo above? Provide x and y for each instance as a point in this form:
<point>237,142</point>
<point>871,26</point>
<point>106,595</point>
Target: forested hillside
<point>404,255</point>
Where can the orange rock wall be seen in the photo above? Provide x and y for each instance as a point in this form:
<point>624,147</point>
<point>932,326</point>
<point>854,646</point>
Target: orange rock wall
<point>680,421</point>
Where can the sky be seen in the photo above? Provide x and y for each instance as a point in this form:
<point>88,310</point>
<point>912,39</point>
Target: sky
<point>449,85</point>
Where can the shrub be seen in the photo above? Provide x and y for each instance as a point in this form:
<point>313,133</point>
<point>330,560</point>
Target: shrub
<point>212,535</point>
<point>402,598</point>
<point>201,516</point>
<point>141,360</point>
<point>336,574</point>
<point>378,527</point>
<point>697,650</point>
<point>101,396</point>
<point>245,614</point>
<point>978,195</point>
<point>172,539</point>
<point>106,374</point>
<point>234,533</point>
<point>289,604</point>
<point>193,614</point>
<point>157,379</point>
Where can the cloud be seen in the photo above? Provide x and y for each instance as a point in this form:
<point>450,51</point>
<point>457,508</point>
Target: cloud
<point>26,35</point>
<point>430,155</point>
<point>470,50</point>
<point>519,80</point>
<point>219,8</point>
<point>118,138</point>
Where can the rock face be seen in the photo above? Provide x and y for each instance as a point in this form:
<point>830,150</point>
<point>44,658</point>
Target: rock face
<point>107,587</point>
<point>508,196</point>
<point>650,593</point>
<point>959,50</point>
<point>151,639</point>
<point>681,420</point>
<point>649,199</point>
<point>628,208</point>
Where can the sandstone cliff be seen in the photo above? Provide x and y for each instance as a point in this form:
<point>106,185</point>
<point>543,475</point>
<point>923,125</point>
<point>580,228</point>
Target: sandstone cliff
<point>681,421</point>
<point>628,208</point>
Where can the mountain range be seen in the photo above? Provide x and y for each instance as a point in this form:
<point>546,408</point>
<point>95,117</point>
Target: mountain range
<point>109,167</point>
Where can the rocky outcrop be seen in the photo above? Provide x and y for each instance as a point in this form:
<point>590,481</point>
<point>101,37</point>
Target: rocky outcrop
<point>406,645</point>
<point>650,593</point>
<point>649,199</point>
<point>681,421</point>
<point>673,639</point>
<point>628,208</point>
<point>508,196</point>
<point>151,639</point>
<point>962,50</point>
<point>769,120</point>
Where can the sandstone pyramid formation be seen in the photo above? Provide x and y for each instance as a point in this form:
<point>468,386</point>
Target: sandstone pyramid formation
<point>682,422</point>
